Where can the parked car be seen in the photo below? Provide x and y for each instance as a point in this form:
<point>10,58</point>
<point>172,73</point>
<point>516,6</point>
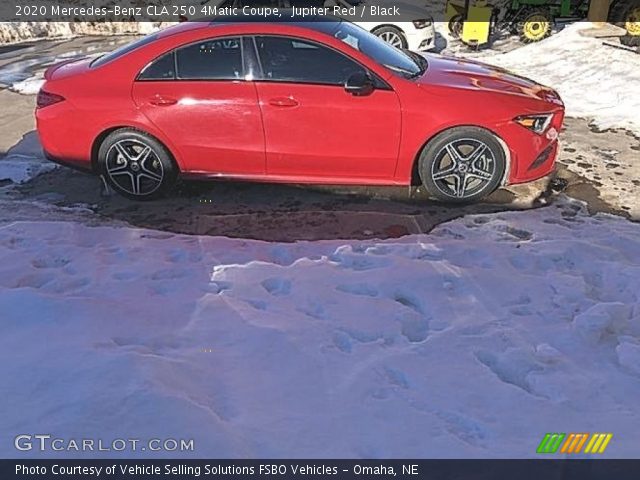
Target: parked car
<point>419,34</point>
<point>316,102</point>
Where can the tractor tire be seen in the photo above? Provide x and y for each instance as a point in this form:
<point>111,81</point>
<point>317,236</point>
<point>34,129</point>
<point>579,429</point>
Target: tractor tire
<point>626,14</point>
<point>534,25</point>
<point>455,26</point>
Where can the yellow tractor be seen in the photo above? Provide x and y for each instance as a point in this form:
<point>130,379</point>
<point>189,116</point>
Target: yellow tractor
<point>471,21</point>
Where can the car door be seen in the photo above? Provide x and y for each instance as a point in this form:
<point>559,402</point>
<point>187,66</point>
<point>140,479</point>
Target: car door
<point>313,127</point>
<point>198,97</point>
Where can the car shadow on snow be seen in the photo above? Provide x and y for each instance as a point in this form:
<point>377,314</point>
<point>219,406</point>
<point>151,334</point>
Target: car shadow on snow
<point>271,212</point>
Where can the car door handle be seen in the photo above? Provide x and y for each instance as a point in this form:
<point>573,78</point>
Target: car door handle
<point>284,102</point>
<point>161,101</point>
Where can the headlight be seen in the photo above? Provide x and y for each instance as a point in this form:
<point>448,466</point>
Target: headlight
<point>535,123</point>
<point>419,24</point>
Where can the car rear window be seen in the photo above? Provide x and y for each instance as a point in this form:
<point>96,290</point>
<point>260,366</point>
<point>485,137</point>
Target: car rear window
<point>125,49</point>
<point>164,68</point>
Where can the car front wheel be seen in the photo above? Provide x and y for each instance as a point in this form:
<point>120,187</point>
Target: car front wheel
<point>136,165</point>
<point>464,164</point>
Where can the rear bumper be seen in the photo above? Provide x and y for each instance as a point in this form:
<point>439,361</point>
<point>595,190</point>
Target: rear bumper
<point>76,165</point>
<point>65,135</point>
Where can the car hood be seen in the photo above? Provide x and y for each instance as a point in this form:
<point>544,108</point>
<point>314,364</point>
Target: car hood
<point>473,75</point>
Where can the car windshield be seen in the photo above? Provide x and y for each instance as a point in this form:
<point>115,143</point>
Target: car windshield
<point>408,65</point>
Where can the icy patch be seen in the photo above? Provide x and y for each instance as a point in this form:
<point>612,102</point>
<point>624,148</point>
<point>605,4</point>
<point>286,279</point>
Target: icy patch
<point>19,168</point>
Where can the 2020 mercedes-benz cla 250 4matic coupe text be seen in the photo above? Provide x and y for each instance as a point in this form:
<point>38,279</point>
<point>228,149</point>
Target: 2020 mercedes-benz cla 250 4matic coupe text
<point>316,102</point>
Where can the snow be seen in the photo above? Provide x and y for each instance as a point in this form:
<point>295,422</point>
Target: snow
<point>29,86</point>
<point>595,81</point>
<point>14,32</point>
<point>473,341</point>
<point>19,168</point>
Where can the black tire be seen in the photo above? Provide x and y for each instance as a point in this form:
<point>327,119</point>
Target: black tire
<point>386,33</point>
<point>455,26</point>
<point>479,168</point>
<point>534,25</point>
<point>136,165</point>
<point>627,11</point>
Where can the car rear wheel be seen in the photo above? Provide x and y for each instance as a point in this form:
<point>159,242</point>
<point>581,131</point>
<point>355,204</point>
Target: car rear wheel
<point>392,36</point>
<point>136,165</point>
<point>462,165</point>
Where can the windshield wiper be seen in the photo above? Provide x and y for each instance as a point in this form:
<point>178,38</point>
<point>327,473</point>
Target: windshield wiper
<point>400,70</point>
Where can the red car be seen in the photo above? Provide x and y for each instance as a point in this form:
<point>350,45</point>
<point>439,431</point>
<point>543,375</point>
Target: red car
<point>298,102</point>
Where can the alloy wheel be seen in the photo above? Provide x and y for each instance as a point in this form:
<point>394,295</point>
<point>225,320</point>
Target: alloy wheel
<point>463,168</point>
<point>392,38</point>
<point>134,167</point>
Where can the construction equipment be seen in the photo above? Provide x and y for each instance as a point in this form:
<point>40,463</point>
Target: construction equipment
<point>471,21</point>
<point>625,14</point>
<point>534,20</point>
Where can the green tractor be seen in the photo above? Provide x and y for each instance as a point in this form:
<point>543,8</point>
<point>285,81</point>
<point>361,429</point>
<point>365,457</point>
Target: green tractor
<point>533,20</point>
<point>626,14</point>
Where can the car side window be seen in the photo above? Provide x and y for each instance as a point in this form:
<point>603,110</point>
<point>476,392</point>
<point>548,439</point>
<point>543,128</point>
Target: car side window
<point>163,68</point>
<point>293,60</point>
<point>217,59</point>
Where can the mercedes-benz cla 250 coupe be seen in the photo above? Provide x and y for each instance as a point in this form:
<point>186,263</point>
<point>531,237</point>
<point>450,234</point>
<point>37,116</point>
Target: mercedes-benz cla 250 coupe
<point>316,102</point>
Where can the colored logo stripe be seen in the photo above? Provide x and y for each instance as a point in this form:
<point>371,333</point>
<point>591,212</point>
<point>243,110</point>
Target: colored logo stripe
<point>550,443</point>
<point>573,443</point>
<point>598,443</point>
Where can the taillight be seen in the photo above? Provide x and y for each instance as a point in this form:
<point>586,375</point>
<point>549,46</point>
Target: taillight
<point>46,99</point>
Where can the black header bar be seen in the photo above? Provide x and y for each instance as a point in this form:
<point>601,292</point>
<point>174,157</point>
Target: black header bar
<point>269,10</point>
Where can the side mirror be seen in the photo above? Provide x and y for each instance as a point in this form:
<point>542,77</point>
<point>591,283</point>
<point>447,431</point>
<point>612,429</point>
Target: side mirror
<point>359,84</point>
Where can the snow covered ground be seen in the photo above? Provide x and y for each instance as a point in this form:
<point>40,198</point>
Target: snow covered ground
<point>13,32</point>
<point>472,341</point>
<point>595,81</point>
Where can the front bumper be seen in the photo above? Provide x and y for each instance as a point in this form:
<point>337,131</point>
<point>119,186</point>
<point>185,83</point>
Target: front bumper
<point>532,156</point>
<point>420,39</point>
